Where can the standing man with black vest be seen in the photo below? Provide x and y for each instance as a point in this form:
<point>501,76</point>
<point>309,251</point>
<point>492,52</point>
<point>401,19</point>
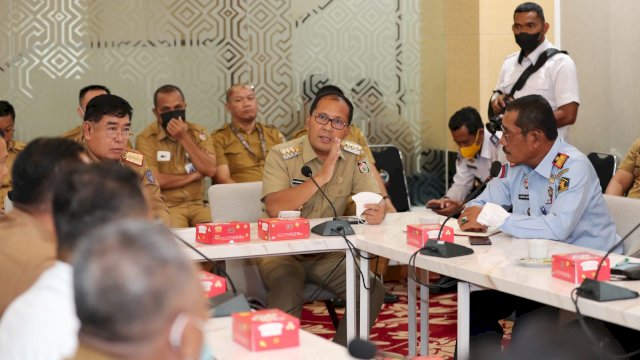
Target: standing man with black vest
<point>555,79</point>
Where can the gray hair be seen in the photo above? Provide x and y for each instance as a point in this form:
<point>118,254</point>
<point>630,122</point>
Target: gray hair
<point>130,280</point>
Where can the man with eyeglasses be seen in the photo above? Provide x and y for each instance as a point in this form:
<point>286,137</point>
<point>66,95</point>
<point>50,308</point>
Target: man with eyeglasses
<point>7,125</point>
<point>242,145</point>
<point>106,127</point>
<point>554,193</point>
<point>181,154</point>
<point>341,168</point>
<point>476,151</point>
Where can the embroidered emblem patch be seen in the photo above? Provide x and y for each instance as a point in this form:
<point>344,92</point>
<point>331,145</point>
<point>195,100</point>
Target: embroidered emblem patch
<point>504,171</point>
<point>149,176</point>
<point>563,185</point>
<point>363,167</point>
<point>559,160</point>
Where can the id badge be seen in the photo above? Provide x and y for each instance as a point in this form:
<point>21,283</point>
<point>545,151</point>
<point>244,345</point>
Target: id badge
<point>189,168</point>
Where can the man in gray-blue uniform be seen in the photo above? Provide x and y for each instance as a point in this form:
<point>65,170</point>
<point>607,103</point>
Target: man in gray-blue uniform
<point>477,150</point>
<point>555,194</point>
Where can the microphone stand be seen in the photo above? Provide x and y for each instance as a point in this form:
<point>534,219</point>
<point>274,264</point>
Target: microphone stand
<point>335,227</point>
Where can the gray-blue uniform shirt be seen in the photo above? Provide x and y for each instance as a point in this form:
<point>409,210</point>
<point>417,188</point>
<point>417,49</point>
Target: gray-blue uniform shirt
<point>561,199</point>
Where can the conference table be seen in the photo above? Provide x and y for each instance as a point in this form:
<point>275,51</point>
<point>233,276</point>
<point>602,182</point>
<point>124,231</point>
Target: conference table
<point>218,335</point>
<point>314,244</point>
<point>497,266</point>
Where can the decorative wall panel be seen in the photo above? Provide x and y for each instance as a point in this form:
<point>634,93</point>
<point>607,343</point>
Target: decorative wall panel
<point>371,49</point>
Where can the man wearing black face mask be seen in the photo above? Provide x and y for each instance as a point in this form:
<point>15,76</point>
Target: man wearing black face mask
<point>181,154</point>
<point>556,80</point>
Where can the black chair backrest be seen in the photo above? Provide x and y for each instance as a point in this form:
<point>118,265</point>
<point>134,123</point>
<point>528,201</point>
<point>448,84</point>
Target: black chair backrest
<point>605,166</point>
<point>390,164</point>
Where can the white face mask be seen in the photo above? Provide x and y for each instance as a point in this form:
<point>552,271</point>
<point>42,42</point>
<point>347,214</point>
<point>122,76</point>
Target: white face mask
<point>177,329</point>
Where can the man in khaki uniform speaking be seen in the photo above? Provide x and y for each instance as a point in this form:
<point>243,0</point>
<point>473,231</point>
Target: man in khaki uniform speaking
<point>341,168</point>
<point>181,154</point>
<point>242,145</point>
<point>107,126</point>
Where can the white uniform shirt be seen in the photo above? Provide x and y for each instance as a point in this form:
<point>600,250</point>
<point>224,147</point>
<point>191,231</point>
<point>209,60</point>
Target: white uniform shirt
<point>42,323</point>
<point>556,81</point>
<point>467,170</point>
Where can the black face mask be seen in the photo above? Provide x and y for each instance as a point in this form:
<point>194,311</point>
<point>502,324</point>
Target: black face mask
<point>167,116</point>
<point>527,42</point>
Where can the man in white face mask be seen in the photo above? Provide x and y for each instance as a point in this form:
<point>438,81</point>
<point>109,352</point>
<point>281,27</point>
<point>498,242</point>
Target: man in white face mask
<point>477,150</point>
<point>556,80</point>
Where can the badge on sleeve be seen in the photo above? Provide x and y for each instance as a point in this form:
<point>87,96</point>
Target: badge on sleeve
<point>563,185</point>
<point>504,171</point>
<point>163,155</point>
<point>149,176</point>
<point>363,167</point>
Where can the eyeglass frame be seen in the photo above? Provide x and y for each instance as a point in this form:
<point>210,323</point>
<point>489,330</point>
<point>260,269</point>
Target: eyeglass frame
<point>112,133</point>
<point>332,120</point>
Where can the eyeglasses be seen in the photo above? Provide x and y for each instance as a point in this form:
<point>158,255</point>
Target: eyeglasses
<point>323,119</point>
<point>112,132</point>
<point>507,137</point>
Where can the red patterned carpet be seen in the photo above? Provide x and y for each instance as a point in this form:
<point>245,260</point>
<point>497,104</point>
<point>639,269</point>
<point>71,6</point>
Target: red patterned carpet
<point>390,333</point>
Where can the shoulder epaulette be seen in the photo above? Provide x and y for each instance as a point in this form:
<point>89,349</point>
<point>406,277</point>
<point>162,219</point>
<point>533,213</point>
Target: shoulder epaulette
<point>133,157</point>
<point>289,152</point>
<point>19,145</point>
<point>351,147</point>
<point>559,160</point>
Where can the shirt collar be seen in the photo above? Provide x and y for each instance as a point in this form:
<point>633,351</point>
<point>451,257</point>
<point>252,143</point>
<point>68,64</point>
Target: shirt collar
<point>308,153</point>
<point>535,54</point>
<point>485,152</point>
<point>545,166</point>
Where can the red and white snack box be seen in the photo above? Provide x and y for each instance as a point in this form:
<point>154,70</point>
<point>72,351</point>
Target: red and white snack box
<point>265,329</point>
<point>213,285</point>
<point>418,234</point>
<point>575,267</point>
<point>223,233</point>
<point>283,228</point>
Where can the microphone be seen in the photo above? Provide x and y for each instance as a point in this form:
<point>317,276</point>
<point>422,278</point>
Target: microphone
<point>602,291</point>
<point>332,227</point>
<point>447,249</point>
<point>223,304</point>
<point>363,349</point>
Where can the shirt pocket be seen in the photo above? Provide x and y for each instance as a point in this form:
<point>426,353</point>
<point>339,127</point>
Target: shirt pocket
<point>337,192</point>
<point>237,158</point>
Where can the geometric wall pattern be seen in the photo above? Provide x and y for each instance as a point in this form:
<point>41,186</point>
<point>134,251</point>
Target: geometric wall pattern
<point>286,48</point>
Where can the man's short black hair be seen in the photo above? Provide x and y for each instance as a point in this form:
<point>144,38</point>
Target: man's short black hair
<point>334,95</point>
<point>165,89</point>
<point>329,88</point>
<point>89,195</point>
<point>530,6</point>
<point>88,88</point>
<point>37,165</point>
<point>534,112</point>
<point>107,104</point>
<point>7,109</point>
<point>467,117</point>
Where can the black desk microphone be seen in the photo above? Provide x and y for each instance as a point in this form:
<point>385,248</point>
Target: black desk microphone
<point>332,227</point>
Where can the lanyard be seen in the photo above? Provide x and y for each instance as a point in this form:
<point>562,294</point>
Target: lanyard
<point>245,144</point>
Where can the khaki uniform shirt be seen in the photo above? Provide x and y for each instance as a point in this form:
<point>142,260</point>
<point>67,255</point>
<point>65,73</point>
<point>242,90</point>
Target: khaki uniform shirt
<point>26,250</point>
<point>85,352</point>
<point>155,201</point>
<point>77,134</point>
<point>355,136</point>
<point>6,183</point>
<point>352,175</point>
<point>165,155</point>
<point>243,166</point>
<point>631,163</point>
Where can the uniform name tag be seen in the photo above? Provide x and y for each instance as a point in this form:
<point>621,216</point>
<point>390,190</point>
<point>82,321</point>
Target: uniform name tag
<point>295,182</point>
<point>163,155</point>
